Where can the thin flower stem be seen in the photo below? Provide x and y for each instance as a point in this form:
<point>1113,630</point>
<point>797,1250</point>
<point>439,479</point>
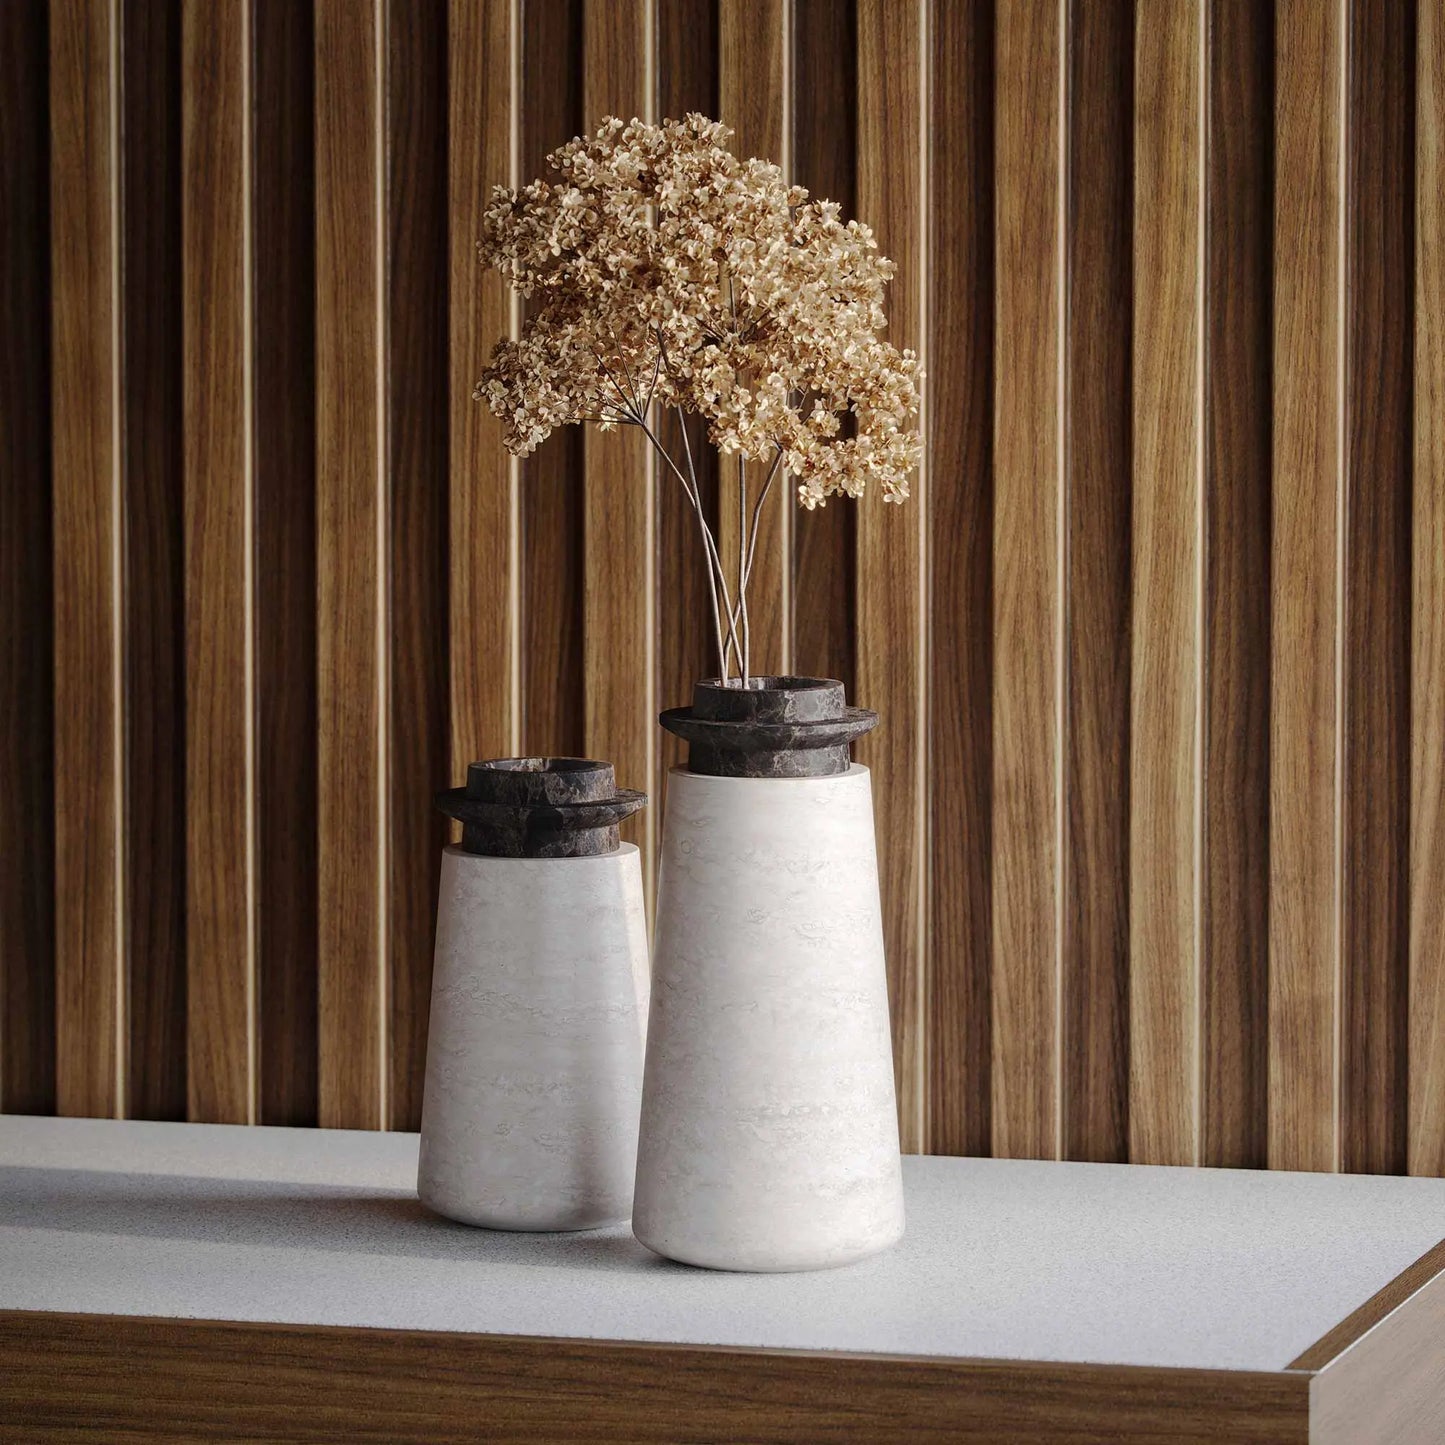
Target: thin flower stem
<point>742,563</point>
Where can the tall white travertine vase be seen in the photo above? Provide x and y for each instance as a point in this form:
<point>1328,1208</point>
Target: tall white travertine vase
<point>538,1013</point>
<point>769,1135</point>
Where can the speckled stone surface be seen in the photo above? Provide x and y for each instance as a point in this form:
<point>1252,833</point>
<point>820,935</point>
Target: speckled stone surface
<point>534,1054</point>
<point>1105,1263</point>
<point>778,727</point>
<point>769,1133</point>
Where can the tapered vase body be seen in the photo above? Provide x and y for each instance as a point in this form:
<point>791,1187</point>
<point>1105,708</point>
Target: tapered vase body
<point>769,1135</point>
<point>534,1056</point>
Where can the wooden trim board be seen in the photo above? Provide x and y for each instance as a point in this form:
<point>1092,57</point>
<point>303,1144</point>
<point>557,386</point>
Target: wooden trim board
<point>1378,1375</point>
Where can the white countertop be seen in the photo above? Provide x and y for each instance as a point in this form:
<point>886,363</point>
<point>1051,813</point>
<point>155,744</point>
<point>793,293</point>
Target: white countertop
<point>1003,1259</point>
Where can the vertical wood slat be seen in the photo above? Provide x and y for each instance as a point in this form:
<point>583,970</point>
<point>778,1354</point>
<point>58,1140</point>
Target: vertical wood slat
<point>1304,586</point>
<point>482,54</point>
<point>1239,180</point>
<point>551,582</point>
<point>27,892</point>
<point>1095,967</point>
<point>960,390</point>
<point>889,619</point>
<point>823,75</point>
<point>1164,771</point>
<point>689,74</point>
<point>1027,581</point>
<point>351,538</point>
<point>1380,294</point>
<point>753,100</point>
<point>284,390</point>
<point>419,405</point>
<point>85,398</point>
<point>1426,1107</point>
<point>618,484</point>
<point>154,506</point>
<point>220,851</point>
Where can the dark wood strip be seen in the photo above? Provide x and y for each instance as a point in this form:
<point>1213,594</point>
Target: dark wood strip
<point>960,686</point>
<point>220,944</point>
<point>1303,898</point>
<point>551,485</point>
<point>824,77</point>
<point>418,412</point>
<point>350,510</point>
<point>1097,611</point>
<point>688,79</point>
<point>283,179</point>
<point>27,801</point>
<point>1379,403</point>
<point>190,1379</point>
<point>89,767</point>
<point>155,628</point>
<point>1237,500</point>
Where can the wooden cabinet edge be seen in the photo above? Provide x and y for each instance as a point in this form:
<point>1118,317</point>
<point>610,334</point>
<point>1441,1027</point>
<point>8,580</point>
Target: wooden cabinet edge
<point>180,1378</point>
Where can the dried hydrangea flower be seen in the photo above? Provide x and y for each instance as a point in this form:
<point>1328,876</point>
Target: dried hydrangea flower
<point>666,272</point>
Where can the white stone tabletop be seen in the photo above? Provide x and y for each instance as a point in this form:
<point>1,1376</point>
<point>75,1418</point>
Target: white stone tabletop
<point>1097,1263</point>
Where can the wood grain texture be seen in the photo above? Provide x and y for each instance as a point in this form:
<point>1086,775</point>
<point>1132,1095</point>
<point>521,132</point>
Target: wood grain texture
<point>1027,584</point>
<point>27,802</point>
<point>1304,566</point>
<point>618,485</point>
<point>1164,742</point>
<point>220,746</point>
<point>197,1379</point>
<point>482,525</point>
<point>155,603</point>
<point>351,533</point>
<point>419,406</point>
<point>1095,965</point>
<point>824,158</point>
<point>753,99</point>
<point>85,417</point>
<point>551,581</point>
<point>1234,922</point>
<point>689,74</point>
<point>1379,397</point>
<point>892,89</point>
<point>960,581</point>
<point>284,305</point>
<point>1427,654</point>
<point>1388,1387</point>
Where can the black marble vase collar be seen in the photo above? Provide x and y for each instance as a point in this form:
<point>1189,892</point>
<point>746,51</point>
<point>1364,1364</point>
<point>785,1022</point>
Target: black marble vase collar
<point>776,727</point>
<point>540,808</point>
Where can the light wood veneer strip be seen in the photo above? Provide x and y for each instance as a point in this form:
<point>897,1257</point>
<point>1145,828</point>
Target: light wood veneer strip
<point>1427,670</point>
<point>1304,569</point>
<point>1164,783</point>
<point>753,99</point>
<point>87,522</point>
<point>618,523</point>
<point>220,505</point>
<point>351,540</point>
<point>892,89</point>
<point>1027,578</point>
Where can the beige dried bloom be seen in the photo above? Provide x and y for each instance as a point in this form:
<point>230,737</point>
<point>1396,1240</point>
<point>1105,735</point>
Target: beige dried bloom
<point>666,272</point>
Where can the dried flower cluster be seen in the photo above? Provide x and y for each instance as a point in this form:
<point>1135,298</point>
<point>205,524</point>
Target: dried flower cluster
<point>665,273</point>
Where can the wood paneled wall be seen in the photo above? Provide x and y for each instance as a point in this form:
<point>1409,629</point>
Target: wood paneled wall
<point>1159,643</point>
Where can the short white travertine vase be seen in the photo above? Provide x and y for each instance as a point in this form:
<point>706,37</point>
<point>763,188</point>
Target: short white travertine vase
<point>534,1055</point>
<point>769,1135</point>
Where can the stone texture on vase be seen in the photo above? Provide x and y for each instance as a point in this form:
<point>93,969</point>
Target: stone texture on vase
<point>769,1135</point>
<point>539,1003</point>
